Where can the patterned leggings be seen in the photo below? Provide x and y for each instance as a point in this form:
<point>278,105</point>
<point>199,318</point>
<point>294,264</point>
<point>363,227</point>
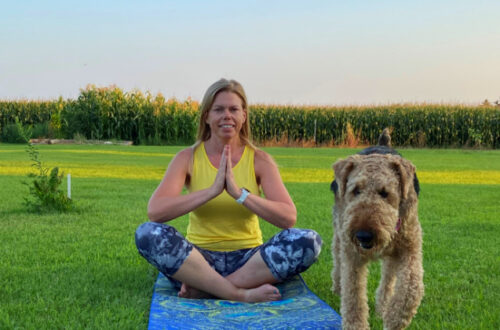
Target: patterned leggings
<point>288,253</point>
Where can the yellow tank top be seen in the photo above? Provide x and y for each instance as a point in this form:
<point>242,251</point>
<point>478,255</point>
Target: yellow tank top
<point>222,224</point>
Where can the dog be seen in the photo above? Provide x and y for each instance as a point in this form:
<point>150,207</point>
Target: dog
<point>375,217</point>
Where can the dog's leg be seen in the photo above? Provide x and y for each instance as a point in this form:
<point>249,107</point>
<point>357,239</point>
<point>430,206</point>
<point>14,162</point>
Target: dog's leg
<point>354,304</point>
<point>386,287</point>
<point>336,264</point>
<point>408,293</point>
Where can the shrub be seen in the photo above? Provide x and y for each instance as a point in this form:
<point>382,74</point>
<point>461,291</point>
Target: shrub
<point>41,130</point>
<point>45,194</point>
<point>15,132</point>
<point>10,134</point>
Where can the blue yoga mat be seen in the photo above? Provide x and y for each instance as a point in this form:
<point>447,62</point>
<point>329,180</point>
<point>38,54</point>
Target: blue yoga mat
<point>298,309</point>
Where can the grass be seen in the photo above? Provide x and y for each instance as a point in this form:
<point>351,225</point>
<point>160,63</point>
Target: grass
<point>81,269</point>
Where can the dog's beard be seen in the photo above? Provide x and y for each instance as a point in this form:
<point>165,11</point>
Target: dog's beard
<point>383,236</point>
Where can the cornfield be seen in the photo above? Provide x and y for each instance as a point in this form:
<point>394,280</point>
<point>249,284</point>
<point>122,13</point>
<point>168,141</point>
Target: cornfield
<point>109,113</point>
<point>413,125</point>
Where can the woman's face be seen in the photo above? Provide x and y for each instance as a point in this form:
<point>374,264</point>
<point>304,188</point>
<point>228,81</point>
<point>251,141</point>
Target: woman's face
<point>226,116</point>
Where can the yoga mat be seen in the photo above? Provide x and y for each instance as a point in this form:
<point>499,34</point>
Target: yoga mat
<point>298,309</point>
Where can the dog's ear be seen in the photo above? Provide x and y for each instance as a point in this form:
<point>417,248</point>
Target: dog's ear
<point>334,187</point>
<point>406,172</point>
<point>342,168</point>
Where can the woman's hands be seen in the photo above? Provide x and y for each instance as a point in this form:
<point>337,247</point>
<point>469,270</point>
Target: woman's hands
<point>225,177</point>
<point>220,179</point>
<point>231,187</point>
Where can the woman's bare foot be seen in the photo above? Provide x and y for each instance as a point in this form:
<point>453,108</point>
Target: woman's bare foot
<point>263,293</point>
<point>192,293</point>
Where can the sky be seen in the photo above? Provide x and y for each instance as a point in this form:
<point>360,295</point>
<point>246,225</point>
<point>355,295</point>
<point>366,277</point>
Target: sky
<point>283,52</point>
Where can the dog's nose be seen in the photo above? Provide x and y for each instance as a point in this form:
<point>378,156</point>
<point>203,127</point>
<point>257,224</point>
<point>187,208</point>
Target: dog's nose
<point>365,238</point>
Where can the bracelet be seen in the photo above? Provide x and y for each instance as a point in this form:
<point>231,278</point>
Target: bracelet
<point>244,195</point>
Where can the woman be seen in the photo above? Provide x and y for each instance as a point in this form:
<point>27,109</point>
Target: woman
<point>224,173</point>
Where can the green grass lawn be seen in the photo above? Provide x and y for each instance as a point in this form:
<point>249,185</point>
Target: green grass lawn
<point>82,270</point>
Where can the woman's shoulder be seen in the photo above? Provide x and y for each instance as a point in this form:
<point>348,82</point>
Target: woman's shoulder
<point>184,157</point>
<point>185,154</point>
<point>183,160</point>
<point>263,158</point>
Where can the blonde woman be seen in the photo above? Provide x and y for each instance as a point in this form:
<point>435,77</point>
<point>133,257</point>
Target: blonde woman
<point>223,254</point>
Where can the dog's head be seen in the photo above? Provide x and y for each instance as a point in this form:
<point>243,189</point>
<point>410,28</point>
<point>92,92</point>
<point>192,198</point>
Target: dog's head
<point>372,196</point>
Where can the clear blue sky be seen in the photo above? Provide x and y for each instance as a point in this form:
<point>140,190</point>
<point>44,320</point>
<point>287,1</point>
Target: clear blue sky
<point>284,52</point>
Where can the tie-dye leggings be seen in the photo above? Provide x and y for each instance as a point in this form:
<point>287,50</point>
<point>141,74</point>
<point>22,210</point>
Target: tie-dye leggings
<point>287,253</point>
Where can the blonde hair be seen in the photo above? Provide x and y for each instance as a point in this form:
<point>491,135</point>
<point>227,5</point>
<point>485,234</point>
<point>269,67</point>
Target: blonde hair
<point>223,85</point>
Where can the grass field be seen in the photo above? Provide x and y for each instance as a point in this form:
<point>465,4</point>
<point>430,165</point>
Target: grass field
<point>81,269</point>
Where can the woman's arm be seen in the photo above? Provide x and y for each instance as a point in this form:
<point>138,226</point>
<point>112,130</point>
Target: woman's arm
<point>167,203</point>
<point>277,208</point>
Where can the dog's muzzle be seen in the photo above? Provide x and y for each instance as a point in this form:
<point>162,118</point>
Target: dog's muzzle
<point>365,239</point>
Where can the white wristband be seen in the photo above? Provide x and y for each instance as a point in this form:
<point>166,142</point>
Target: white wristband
<point>244,195</point>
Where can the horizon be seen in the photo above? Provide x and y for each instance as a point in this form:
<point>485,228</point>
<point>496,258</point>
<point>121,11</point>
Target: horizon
<point>492,103</point>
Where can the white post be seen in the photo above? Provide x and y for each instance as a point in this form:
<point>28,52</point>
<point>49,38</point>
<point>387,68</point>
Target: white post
<point>69,186</point>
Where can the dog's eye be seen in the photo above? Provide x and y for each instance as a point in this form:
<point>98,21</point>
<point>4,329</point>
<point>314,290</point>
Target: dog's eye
<point>356,191</point>
<point>383,193</point>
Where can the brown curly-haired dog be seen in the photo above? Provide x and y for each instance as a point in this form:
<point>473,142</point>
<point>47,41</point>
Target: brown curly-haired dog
<point>375,216</point>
